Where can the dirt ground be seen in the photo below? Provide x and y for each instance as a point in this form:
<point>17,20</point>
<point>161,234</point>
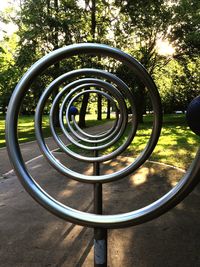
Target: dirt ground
<point>32,237</point>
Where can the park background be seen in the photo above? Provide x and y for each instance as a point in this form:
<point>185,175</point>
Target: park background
<point>163,35</point>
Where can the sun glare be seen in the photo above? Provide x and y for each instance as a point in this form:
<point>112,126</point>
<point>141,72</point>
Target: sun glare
<point>81,3</point>
<point>165,48</point>
<point>10,28</point>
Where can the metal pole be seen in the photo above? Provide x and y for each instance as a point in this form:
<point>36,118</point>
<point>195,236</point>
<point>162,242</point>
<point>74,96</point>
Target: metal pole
<point>100,234</point>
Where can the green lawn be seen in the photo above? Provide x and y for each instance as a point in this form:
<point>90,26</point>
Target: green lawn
<point>177,145</point>
<point>26,127</point>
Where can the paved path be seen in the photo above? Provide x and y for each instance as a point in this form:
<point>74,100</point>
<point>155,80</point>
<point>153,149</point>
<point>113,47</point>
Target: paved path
<point>30,150</point>
<point>32,237</point>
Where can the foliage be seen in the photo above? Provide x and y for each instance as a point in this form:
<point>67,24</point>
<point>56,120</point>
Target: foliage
<point>185,32</point>
<point>178,83</point>
<point>8,70</point>
<point>142,23</point>
<point>133,26</point>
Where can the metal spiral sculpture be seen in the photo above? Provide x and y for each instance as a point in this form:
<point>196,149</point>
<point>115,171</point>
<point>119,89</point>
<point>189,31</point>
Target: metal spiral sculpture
<point>118,93</point>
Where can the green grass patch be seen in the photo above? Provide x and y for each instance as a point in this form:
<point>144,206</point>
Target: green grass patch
<point>177,145</point>
<point>26,132</point>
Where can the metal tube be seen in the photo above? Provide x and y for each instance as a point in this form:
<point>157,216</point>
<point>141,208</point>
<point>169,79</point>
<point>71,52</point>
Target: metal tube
<point>100,234</point>
<point>144,214</point>
<point>100,247</point>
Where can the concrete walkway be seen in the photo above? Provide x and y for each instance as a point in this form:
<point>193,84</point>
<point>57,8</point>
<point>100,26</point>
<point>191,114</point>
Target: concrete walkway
<point>30,150</point>
<point>32,237</point>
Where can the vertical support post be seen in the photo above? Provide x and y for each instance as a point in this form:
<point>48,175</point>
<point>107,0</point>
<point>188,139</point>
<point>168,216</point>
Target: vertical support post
<point>100,234</point>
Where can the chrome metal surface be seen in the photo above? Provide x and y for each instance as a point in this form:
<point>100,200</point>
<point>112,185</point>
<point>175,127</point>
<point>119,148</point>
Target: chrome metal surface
<point>117,92</point>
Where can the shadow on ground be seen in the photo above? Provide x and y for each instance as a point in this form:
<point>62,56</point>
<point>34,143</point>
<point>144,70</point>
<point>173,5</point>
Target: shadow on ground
<point>31,236</point>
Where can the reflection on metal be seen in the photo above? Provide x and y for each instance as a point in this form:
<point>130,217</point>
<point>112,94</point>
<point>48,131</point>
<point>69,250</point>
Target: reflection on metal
<point>76,83</point>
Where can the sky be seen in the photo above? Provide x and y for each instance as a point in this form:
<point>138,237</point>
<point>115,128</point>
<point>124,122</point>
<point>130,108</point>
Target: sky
<point>4,4</point>
<point>8,28</point>
<point>164,47</point>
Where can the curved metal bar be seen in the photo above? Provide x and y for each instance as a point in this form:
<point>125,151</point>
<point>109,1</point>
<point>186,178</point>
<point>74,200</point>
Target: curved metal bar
<point>98,83</point>
<point>81,83</point>
<point>95,72</point>
<point>39,66</point>
<point>84,158</point>
<point>103,137</point>
<point>71,128</point>
<point>123,118</point>
<point>169,200</point>
<point>93,136</point>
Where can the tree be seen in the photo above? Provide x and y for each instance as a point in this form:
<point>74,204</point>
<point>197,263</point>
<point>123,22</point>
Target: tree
<point>133,26</point>
<point>179,83</point>
<point>185,36</point>
<point>96,12</point>
<point>142,23</point>
<point>83,109</point>
<point>185,33</point>
<point>45,26</point>
<point>8,72</point>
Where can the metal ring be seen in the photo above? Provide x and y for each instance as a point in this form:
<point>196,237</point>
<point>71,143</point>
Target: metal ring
<point>76,134</point>
<point>118,135</point>
<point>90,138</point>
<point>105,133</point>
<point>79,84</point>
<point>47,153</point>
<point>109,134</point>
<point>169,200</point>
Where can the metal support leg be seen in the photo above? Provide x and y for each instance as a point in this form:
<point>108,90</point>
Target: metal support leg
<point>100,234</point>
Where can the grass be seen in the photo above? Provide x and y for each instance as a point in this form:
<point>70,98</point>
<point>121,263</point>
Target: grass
<point>177,145</point>
<point>26,131</point>
<point>25,127</point>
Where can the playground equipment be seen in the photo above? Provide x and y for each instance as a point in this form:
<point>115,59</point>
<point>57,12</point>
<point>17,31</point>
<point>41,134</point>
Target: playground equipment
<point>100,82</point>
<point>192,115</point>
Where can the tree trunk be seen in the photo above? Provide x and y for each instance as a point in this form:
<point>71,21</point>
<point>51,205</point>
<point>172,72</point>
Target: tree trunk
<point>108,109</point>
<point>141,103</point>
<point>93,19</point>
<point>99,107</point>
<point>84,104</point>
<point>83,110</point>
<point>56,66</point>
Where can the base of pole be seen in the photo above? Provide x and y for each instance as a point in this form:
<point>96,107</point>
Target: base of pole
<point>100,247</point>
<point>100,234</point>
